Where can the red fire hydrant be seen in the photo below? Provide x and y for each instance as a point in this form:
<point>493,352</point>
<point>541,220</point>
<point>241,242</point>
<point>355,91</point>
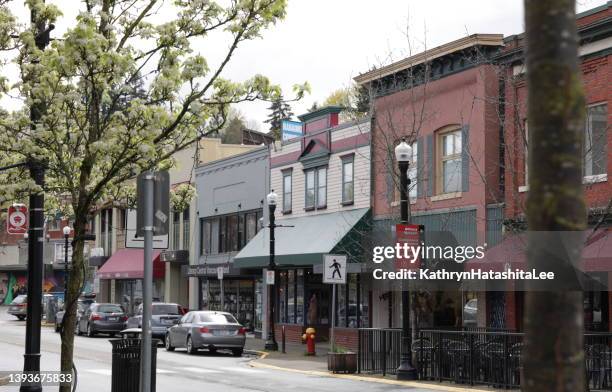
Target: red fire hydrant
<point>309,338</point>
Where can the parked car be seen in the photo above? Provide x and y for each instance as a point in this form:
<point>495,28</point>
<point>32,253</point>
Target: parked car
<point>19,306</point>
<point>101,318</point>
<point>163,315</point>
<point>82,305</point>
<point>207,330</point>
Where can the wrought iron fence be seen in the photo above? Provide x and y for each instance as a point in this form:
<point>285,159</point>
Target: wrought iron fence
<point>473,356</point>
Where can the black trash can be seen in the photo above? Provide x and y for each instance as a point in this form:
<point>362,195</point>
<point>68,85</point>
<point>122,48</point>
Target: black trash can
<point>126,364</point>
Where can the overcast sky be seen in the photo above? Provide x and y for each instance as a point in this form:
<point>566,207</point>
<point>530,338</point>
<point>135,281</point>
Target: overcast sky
<point>327,42</point>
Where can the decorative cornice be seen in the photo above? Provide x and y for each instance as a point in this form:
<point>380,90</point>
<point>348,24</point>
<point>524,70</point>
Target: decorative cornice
<point>428,55</point>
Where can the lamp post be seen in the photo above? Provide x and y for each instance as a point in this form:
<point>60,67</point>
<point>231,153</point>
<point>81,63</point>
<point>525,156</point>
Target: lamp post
<point>66,231</point>
<point>271,344</point>
<point>405,371</point>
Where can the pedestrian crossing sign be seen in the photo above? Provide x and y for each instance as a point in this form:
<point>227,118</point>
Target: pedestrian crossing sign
<point>334,269</point>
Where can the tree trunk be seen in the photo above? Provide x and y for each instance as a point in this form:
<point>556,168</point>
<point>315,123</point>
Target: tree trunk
<point>75,283</point>
<point>553,356</point>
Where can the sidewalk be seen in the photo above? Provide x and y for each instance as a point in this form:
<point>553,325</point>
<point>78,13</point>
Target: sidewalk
<point>296,360</point>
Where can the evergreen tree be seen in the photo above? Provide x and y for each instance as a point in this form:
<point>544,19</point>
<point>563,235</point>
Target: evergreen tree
<point>280,110</point>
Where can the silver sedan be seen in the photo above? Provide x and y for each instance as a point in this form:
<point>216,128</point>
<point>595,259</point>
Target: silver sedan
<point>209,330</point>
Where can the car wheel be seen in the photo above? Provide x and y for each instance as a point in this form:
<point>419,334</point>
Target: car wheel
<point>237,352</point>
<point>191,350</point>
<point>90,331</point>
<point>168,344</point>
<point>21,318</point>
<point>77,330</point>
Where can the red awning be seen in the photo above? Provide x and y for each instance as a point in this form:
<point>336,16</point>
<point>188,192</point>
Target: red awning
<point>128,264</point>
<point>512,252</point>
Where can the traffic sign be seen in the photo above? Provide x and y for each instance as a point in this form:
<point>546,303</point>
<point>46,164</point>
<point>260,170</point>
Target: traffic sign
<point>17,222</point>
<point>161,202</point>
<point>334,269</point>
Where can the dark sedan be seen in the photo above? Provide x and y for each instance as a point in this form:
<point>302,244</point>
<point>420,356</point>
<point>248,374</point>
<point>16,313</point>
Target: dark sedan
<point>102,318</point>
<point>82,306</point>
<point>209,330</point>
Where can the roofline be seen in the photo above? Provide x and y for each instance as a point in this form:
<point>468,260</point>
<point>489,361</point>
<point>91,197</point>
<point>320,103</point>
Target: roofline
<point>427,55</point>
<point>594,10</point>
<point>230,160</point>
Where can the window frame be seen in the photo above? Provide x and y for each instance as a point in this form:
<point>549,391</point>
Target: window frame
<point>287,173</point>
<point>441,158</point>
<point>316,188</point>
<point>346,160</point>
<point>588,131</point>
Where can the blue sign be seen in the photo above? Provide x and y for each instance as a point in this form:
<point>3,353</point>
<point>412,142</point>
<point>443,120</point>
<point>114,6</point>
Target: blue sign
<point>291,129</point>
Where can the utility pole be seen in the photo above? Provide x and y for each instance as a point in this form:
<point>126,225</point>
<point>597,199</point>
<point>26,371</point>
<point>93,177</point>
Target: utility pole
<point>31,360</point>
<point>147,282</point>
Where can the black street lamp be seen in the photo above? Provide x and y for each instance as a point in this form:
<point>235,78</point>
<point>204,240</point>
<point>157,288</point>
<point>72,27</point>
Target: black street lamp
<point>405,371</point>
<point>271,344</point>
<point>66,231</point>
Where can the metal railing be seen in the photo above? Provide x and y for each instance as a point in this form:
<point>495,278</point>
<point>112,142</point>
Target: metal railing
<point>379,350</point>
<point>472,356</point>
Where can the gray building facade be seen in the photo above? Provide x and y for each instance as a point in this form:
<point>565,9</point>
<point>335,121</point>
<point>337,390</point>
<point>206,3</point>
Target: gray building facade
<point>230,209</point>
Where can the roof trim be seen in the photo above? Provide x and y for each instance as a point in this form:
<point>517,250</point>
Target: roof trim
<point>428,55</point>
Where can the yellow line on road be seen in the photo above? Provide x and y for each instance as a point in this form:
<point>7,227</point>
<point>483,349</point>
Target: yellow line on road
<point>438,387</point>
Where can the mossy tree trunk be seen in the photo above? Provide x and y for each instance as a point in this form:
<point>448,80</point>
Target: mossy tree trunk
<point>553,356</point>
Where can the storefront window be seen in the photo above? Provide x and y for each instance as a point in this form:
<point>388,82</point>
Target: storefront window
<point>282,297</point>
<point>241,238</point>
<point>223,235</point>
<point>299,297</point>
<point>176,227</point>
<point>186,231</point>
<point>290,296</point>
<point>364,309</point>
<point>251,226</point>
<point>232,233</point>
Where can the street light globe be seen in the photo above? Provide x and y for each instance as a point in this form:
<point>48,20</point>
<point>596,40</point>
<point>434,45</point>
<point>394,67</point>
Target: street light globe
<point>272,198</point>
<point>66,230</point>
<point>403,152</point>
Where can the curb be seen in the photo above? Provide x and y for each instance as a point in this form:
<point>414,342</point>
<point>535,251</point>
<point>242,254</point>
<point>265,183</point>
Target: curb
<point>4,380</point>
<point>260,354</point>
<point>413,384</point>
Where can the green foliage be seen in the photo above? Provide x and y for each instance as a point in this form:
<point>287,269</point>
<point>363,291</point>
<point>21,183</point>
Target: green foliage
<point>354,99</point>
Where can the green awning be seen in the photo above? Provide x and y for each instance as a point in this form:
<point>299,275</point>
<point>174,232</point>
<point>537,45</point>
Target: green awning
<point>304,244</point>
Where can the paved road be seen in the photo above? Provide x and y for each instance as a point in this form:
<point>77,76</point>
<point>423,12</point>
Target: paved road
<point>176,371</point>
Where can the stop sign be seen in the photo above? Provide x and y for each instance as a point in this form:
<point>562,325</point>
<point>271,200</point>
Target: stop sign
<point>17,222</point>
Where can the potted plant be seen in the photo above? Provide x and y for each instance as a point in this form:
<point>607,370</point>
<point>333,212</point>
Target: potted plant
<point>341,360</point>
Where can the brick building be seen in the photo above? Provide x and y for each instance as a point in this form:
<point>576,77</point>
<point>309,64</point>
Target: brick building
<point>444,102</point>
<point>595,33</point>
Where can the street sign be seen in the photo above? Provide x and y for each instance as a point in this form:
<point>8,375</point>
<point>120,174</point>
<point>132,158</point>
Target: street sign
<point>220,273</point>
<point>334,269</point>
<point>133,241</point>
<point>291,129</point>
<point>269,277</point>
<point>17,222</point>
<point>161,203</point>
<point>410,235</point>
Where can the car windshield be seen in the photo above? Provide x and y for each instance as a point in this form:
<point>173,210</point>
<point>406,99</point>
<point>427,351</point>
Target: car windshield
<point>109,309</point>
<point>218,318</point>
<point>165,309</point>
<point>20,299</point>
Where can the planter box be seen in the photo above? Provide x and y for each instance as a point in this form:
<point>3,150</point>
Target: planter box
<point>342,362</point>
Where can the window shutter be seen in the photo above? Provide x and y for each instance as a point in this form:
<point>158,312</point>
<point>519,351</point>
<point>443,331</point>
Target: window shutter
<point>465,158</point>
<point>390,180</point>
<point>431,176</point>
<point>419,168</point>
